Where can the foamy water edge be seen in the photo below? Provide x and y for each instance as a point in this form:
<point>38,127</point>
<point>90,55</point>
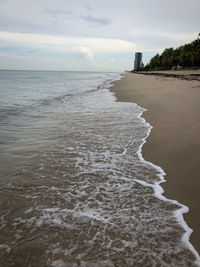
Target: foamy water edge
<point>158,190</point>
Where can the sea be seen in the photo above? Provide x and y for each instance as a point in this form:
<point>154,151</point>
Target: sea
<point>75,189</point>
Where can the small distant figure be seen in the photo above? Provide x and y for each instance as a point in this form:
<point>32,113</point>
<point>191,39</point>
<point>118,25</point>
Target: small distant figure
<point>178,67</point>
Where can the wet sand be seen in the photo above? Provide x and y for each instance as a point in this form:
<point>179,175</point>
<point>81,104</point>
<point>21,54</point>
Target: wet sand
<point>173,105</point>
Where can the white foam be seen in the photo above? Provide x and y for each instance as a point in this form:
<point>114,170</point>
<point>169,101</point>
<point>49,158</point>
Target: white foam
<point>124,152</point>
<point>92,214</point>
<point>58,263</point>
<point>28,210</point>
<point>158,192</point>
<point>2,221</point>
<point>108,82</point>
<point>6,247</point>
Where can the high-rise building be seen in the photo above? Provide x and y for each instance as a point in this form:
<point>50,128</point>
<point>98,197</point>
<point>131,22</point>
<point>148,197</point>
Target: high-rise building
<point>138,61</point>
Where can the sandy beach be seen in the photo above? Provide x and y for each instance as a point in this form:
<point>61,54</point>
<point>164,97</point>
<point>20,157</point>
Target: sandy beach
<point>173,111</point>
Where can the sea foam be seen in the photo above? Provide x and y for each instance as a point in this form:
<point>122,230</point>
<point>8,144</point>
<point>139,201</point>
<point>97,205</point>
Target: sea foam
<point>158,192</point>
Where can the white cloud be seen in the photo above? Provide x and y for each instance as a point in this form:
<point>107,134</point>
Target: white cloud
<point>183,37</point>
<point>62,50</point>
<point>67,44</point>
<point>87,52</point>
<point>3,54</point>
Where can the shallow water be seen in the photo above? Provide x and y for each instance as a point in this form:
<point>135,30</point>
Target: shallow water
<point>74,190</point>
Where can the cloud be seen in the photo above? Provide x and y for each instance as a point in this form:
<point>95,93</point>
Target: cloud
<point>88,7</point>
<point>183,37</point>
<point>57,12</point>
<point>87,52</point>
<point>65,44</point>
<point>3,54</point>
<point>60,29</point>
<point>96,21</point>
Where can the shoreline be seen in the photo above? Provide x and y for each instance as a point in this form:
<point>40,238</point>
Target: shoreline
<point>173,142</point>
<point>183,75</point>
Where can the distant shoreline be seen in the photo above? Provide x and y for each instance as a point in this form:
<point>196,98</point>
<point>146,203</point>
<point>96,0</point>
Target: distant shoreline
<point>184,74</point>
<point>173,110</point>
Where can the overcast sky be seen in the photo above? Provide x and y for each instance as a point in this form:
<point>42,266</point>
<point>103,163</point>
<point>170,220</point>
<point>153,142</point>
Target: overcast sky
<point>99,35</point>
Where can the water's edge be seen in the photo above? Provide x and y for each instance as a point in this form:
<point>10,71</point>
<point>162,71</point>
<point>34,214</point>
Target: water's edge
<point>158,190</point>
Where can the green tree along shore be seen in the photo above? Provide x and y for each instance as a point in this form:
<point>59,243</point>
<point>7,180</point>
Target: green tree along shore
<point>186,56</point>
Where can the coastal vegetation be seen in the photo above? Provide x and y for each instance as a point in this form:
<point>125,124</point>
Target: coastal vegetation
<point>185,56</point>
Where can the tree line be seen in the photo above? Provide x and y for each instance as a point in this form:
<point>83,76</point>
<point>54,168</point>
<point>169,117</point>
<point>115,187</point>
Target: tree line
<point>186,56</point>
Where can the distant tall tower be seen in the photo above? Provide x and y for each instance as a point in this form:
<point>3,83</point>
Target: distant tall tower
<point>138,60</point>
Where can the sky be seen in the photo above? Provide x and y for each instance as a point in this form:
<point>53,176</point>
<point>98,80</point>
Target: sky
<point>92,35</point>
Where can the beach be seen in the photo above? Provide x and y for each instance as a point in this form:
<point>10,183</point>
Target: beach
<point>173,111</point>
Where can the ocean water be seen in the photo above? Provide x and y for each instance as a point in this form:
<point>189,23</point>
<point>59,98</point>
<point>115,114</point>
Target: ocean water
<point>75,189</point>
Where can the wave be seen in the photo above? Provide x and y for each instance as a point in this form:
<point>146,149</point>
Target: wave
<point>35,105</point>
